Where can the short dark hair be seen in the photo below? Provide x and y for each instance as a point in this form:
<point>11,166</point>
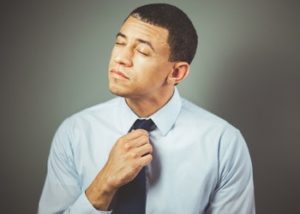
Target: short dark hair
<point>182,37</point>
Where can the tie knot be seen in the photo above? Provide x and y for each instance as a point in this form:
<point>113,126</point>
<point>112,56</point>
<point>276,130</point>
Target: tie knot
<point>147,125</point>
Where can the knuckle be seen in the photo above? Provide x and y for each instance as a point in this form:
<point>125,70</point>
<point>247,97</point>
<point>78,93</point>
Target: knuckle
<point>145,138</point>
<point>142,132</point>
<point>132,155</point>
<point>127,146</point>
<point>148,159</point>
<point>120,141</point>
<point>146,133</point>
<point>138,131</point>
<point>150,148</point>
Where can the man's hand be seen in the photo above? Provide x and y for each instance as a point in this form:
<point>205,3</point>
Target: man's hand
<point>128,156</point>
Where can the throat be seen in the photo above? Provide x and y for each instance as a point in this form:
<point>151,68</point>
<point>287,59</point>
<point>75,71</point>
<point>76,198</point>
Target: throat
<point>146,107</point>
<point>143,109</point>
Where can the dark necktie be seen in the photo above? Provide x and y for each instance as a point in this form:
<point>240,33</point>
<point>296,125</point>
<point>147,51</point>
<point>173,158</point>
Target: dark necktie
<point>131,198</point>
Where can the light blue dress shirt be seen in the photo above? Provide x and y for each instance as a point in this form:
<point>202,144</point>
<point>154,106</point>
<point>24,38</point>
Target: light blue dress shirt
<point>200,164</point>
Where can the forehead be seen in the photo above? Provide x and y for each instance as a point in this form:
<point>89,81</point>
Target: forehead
<point>134,28</point>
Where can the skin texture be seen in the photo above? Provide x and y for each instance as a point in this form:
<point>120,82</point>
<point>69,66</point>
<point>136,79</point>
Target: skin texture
<point>140,71</point>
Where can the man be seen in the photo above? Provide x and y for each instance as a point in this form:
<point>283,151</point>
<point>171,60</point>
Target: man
<point>191,160</point>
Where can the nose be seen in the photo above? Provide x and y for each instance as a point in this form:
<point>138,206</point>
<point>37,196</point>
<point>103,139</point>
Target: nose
<point>123,56</point>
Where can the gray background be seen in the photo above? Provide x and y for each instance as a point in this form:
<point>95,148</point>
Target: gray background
<point>54,57</point>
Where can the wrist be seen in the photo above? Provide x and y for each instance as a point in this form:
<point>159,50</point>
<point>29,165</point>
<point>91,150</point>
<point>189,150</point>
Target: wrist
<point>100,194</point>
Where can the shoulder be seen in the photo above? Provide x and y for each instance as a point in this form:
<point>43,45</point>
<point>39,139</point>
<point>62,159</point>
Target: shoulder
<point>229,141</point>
<point>193,113</point>
<point>201,121</point>
<point>103,109</point>
<point>96,112</point>
<point>86,118</point>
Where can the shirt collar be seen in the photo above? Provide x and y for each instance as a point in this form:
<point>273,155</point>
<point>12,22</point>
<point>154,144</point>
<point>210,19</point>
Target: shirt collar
<point>164,118</point>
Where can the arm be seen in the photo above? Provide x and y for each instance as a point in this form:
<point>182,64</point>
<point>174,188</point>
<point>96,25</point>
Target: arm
<point>128,156</point>
<point>62,192</point>
<point>235,191</point>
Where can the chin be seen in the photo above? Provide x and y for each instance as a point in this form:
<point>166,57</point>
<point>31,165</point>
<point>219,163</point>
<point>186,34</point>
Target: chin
<point>117,91</point>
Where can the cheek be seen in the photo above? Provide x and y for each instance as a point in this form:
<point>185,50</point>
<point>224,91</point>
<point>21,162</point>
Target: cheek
<point>156,75</point>
<point>112,55</point>
<point>163,69</point>
<point>143,67</point>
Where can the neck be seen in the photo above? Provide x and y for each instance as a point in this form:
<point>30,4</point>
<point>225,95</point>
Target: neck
<point>146,106</point>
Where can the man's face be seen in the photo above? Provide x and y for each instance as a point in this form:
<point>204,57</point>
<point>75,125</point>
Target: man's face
<point>139,63</point>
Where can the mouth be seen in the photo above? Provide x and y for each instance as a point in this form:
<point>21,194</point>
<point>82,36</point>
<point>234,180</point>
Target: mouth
<point>118,74</point>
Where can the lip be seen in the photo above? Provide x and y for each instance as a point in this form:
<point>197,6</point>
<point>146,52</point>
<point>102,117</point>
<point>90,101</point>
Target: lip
<point>118,74</point>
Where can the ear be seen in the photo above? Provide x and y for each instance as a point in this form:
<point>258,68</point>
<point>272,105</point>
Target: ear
<point>179,72</point>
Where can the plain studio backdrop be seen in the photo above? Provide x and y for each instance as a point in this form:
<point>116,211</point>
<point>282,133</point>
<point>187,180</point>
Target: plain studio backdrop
<point>54,57</point>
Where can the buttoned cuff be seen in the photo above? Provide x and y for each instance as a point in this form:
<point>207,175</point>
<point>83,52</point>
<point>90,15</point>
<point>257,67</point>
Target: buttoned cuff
<point>83,205</point>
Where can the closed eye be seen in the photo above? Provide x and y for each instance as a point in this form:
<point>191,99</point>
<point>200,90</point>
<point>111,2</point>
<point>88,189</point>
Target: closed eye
<point>119,43</point>
<point>143,53</point>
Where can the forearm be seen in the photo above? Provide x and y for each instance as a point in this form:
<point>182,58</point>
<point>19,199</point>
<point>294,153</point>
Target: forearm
<point>100,193</point>
<point>128,156</point>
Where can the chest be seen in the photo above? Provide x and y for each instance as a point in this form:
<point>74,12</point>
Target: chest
<point>182,174</point>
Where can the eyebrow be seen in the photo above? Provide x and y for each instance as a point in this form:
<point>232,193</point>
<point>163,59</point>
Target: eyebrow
<point>138,39</point>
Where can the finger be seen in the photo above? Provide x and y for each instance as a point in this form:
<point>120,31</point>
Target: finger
<point>142,150</point>
<point>134,139</point>
<point>136,133</point>
<point>145,160</point>
<point>132,135</point>
<point>137,142</point>
<point>133,145</point>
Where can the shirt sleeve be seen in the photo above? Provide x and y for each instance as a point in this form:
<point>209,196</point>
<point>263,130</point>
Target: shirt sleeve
<point>62,191</point>
<point>234,193</point>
